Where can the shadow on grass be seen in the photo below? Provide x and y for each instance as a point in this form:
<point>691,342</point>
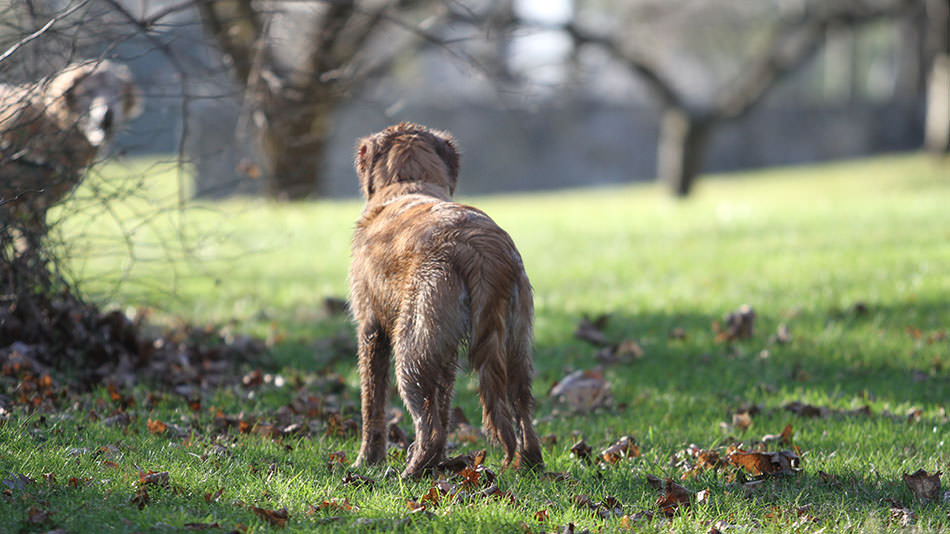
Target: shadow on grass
<point>894,354</point>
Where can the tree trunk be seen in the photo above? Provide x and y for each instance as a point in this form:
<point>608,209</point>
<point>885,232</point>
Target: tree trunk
<point>682,149</point>
<point>294,135</point>
<point>937,128</point>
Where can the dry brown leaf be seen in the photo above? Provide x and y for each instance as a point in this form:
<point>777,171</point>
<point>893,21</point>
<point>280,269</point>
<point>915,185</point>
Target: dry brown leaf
<point>655,482</point>
<point>806,410</point>
<point>541,515</point>
<point>37,515</point>
<point>782,335</point>
<point>335,459</point>
<point>582,390</point>
<point>353,479</point>
<point>155,426</point>
<point>552,476</point>
<point>333,505</point>
<point>581,451</point>
<point>766,463</point>
<point>740,324</point>
<point>627,521</point>
<point>741,420</point>
<point>904,515</point>
<point>277,518</point>
<point>153,478</point>
<point>925,487</point>
<point>591,330</point>
<point>213,497</point>
<point>623,352</point>
<point>625,447</point>
<point>674,497</point>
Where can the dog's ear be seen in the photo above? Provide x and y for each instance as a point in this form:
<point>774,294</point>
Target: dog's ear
<point>447,150</point>
<point>364,159</point>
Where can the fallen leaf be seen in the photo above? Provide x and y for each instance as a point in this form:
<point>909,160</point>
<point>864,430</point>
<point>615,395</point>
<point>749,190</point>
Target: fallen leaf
<point>806,410</point>
<point>155,426</point>
<point>741,420</point>
<point>333,505</point>
<point>925,487</point>
<point>213,497</point>
<point>674,497</point>
<point>153,478</point>
<point>581,451</point>
<point>253,379</point>
<point>570,529</point>
<point>623,352</point>
<point>677,333</point>
<point>457,463</point>
<point>625,447</point>
<point>608,507</point>
<point>904,515</point>
<point>582,390</point>
<point>37,515</point>
<point>740,324</point>
<point>782,335</point>
<point>766,463</point>
<point>541,515</point>
<point>552,476</point>
<point>277,518</point>
<point>591,330</point>
<point>335,459</point>
<point>627,521</point>
<point>353,479</point>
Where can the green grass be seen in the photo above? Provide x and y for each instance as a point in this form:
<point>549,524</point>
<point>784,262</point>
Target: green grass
<point>801,245</point>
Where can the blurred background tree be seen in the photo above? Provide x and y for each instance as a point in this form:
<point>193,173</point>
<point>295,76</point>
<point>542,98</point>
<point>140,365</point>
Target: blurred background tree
<point>266,96</point>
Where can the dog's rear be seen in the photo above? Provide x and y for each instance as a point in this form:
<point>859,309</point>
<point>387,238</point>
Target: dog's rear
<point>501,309</point>
<point>428,275</point>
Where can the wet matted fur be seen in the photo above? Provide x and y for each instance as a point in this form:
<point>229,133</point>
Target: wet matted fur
<point>430,275</point>
<point>51,131</point>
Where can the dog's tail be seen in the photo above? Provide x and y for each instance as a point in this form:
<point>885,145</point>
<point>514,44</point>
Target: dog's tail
<point>492,271</point>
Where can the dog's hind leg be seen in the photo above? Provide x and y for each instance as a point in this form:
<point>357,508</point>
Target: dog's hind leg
<point>425,350</point>
<point>374,380</point>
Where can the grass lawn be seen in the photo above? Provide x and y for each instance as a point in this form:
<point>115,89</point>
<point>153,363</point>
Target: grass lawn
<point>853,259</point>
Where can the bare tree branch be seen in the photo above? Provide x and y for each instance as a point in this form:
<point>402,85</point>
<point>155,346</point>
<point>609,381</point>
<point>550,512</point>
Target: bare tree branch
<point>640,65</point>
<point>792,46</point>
<point>45,28</point>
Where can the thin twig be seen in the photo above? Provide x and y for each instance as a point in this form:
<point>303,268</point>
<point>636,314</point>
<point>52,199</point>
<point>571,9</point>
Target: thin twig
<point>46,27</point>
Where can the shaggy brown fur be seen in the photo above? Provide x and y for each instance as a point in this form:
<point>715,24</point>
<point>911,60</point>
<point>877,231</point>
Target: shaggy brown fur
<point>50,133</point>
<point>428,275</point>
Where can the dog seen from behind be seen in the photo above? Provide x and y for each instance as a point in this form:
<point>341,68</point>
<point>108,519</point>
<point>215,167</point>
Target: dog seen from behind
<point>429,276</point>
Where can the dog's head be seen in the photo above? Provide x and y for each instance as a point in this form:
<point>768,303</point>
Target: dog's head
<point>410,154</point>
<point>98,97</point>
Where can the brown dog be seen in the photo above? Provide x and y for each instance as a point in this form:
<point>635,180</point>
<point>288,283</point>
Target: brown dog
<point>51,131</point>
<point>427,276</point>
